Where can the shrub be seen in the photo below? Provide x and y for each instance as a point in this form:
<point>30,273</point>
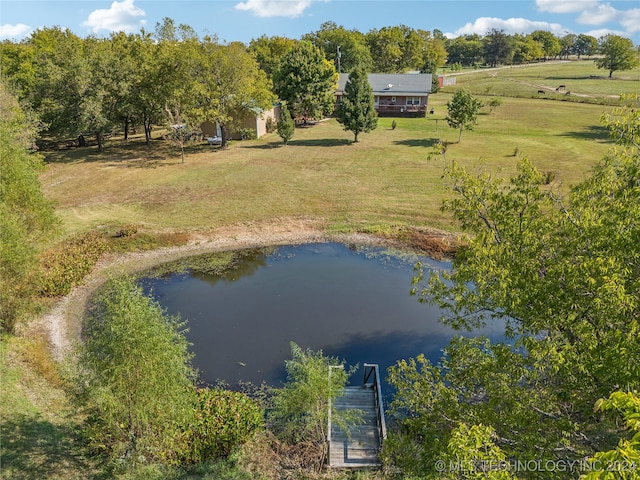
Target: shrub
<point>222,420</point>
<point>270,125</point>
<point>66,264</point>
<point>126,231</point>
<point>134,377</point>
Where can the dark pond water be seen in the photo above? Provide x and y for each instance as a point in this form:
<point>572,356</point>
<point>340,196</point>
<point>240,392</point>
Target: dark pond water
<point>349,302</point>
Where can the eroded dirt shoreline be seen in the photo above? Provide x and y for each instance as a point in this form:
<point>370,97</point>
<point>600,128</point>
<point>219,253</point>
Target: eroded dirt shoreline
<point>63,322</point>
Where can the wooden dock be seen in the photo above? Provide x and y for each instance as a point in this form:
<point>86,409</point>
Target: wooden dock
<point>360,448</point>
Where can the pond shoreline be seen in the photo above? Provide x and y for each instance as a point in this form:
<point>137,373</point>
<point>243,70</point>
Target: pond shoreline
<point>62,323</point>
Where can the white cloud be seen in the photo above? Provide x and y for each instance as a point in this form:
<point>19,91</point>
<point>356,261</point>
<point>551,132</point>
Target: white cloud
<point>601,32</point>
<point>510,26</point>
<point>275,8</point>
<point>122,16</point>
<point>14,31</point>
<point>631,20</point>
<point>566,6</point>
<point>598,16</point>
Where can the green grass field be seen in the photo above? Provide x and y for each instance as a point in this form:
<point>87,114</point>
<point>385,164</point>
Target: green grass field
<point>385,179</point>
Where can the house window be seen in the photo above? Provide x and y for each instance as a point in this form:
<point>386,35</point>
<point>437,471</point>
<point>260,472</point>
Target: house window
<point>413,101</point>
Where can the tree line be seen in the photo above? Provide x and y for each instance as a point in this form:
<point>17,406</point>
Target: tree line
<point>172,76</point>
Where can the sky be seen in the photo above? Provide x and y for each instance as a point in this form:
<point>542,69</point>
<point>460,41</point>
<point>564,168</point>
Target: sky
<point>244,20</point>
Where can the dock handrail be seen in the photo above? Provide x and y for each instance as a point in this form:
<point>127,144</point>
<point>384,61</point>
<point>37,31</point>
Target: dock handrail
<point>369,369</point>
<point>331,367</point>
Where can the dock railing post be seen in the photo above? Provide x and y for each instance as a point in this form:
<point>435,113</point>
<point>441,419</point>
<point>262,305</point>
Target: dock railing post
<point>329,402</point>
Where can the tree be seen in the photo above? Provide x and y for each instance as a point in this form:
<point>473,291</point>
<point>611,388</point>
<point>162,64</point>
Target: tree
<point>306,81</point>
<point>25,214</point>
<point>463,111</point>
<point>550,44</point>
<point>617,53</point>
<point>568,45</point>
<point>526,49</point>
<point>466,50</point>
<point>498,47</point>
<point>286,126</point>
<point>301,407</point>
<point>269,52</point>
<point>585,45</point>
<point>134,376</point>
<point>562,276</point>
<point>624,459</point>
<point>345,48</point>
<point>356,110</point>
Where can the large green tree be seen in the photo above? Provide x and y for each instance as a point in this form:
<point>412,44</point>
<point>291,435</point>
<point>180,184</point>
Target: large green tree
<point>585,45</point>
<point>562,277</point>
<point>307,81</point>
<point>618,53</point>
<point>462,111</point>
<point>550,43</point>
<point>25,214</point>
<point>356,110</point>
<point>345,48</point>
<point>269,51</point>
<point>498,47</point>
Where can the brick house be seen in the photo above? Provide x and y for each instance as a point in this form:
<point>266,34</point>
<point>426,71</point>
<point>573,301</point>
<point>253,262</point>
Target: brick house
<point>396,94</point>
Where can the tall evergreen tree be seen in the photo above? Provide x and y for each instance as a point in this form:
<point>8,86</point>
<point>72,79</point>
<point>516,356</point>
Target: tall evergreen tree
<point>356,111</point>
<point>286,127</point>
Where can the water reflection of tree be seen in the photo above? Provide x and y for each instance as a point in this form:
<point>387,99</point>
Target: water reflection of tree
<point>243,263</point>
<point>211,267</point>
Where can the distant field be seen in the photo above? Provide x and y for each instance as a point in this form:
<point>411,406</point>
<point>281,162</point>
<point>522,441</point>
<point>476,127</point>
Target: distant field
<point>384,180</point>
<point>582,81</point>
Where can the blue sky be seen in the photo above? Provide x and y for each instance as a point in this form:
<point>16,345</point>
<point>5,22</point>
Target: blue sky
<point>247,19</point>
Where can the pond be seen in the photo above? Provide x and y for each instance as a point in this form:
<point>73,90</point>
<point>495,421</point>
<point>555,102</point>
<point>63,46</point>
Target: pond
<point>244,308</point>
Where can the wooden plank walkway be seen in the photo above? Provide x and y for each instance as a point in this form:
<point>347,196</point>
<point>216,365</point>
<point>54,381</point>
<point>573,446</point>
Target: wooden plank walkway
<point>361,449</point>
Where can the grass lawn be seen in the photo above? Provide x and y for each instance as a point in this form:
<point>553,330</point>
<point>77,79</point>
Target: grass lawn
<point>386,179</point>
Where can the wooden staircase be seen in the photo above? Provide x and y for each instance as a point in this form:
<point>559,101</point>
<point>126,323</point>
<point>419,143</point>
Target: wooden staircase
<point>360,448</point>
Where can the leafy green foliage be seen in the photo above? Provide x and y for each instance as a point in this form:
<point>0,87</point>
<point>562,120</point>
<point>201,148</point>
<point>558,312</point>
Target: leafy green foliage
<point>618,53</point>
<point>623,462</point>
<point>66,264</point>
<point>463,111</point>
<point>222,420</point>
<point>344,48</point>
<point>472,453</point>
<point>300,408</point>
<point>356,110</point>
<point>562,276</point>
<point>134,377</point>
<point>306,80</point>
<point>286,126</point>
<point>476,383</point>
<point>25,215</point>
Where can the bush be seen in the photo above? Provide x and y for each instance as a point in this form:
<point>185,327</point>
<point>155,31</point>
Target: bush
<point>133,378</point>
<point>126,231</point>
<point>66,264</point>
<point>222,420</point>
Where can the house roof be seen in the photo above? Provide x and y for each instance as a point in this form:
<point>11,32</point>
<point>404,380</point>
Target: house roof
<point>394,83</point>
